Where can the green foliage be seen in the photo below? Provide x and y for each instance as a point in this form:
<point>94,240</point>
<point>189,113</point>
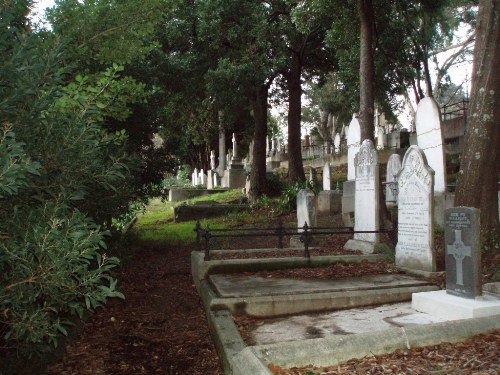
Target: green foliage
<point>288,199</point>
<point>52,269</point>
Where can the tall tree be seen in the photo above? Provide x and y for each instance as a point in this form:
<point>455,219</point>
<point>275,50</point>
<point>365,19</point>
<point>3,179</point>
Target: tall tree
<point>477,184</point>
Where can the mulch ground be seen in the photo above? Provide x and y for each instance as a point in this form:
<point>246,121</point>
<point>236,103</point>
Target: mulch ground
<point>161,327</point>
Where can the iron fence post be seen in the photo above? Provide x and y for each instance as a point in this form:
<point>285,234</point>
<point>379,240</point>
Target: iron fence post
<point>207,243</point>
<point>305,239</point>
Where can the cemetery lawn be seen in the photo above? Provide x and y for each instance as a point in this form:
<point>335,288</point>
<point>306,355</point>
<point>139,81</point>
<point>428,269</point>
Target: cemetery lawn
<point>161,328</point>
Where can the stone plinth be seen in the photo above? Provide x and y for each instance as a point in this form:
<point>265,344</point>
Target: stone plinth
<point>444,305</point>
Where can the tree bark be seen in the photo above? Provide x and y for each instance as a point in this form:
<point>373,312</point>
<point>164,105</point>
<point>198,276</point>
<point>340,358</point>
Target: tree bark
<point>295,167</point>
<point>366,70</point>
<point>477,184</point>
<point>258,183</point>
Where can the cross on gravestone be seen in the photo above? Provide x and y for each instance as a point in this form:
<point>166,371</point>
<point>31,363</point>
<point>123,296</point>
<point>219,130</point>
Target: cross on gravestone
<point>459,252</point>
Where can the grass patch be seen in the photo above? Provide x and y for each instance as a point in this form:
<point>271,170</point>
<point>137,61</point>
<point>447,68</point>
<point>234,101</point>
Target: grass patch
<point>156,224</point>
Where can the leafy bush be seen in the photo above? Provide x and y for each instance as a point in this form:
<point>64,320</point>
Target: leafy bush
<point>288,199</point>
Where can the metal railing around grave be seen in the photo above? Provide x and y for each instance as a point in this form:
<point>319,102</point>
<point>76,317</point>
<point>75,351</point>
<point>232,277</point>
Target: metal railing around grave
<point>306,236</point>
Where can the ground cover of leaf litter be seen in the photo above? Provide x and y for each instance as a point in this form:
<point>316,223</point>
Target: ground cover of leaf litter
<point>161,328</point>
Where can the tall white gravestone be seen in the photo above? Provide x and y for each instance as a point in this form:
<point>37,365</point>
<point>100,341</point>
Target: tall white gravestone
<point>366,201</point>
<point>393,168</point>
<point>336,143</point>
<point>327,184</point>
<point>430,140</point>
<point>353,144</point>
<point>415,248</point>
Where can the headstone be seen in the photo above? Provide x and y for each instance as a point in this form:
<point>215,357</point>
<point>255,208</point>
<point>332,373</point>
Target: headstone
<point>393,168</point>
<point>415,248</point>
<point>366,200</point>
<point>463,252</point>
<point>194,177</point>
<point>353,144</point>
<point>210,179</point>
<point>202,179</point>
<point>380,138</point>
<point>327,183</point>
<point>212,160</point>
<point>306,208</point>
<point>336,143</point>
<point>430,140</point>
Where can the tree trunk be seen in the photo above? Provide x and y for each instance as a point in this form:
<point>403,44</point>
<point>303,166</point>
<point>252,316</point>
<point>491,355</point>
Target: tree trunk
<point>366,70</point>
<point>258,184</point>
<point>477,184</point>
<point>295,167</point>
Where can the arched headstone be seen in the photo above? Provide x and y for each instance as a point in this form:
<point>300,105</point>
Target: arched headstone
<point>415,248</point>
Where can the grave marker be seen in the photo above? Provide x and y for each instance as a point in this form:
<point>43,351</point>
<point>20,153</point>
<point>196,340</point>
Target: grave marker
<point>463,254</point>
<point>306,208</point>
<point>415,248</point>
<point>366,199</point>
<point>393,168</point>
<point>327,183</point>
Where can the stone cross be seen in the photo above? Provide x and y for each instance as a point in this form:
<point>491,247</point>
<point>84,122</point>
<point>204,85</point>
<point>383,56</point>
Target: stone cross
<point>459,252</point>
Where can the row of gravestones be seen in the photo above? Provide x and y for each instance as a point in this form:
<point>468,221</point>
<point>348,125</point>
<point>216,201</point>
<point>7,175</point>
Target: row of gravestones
<point>429,139</point>
<point>415,247</point>
<point>230,174</point>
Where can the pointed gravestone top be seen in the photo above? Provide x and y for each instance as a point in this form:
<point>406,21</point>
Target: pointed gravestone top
<point>430,139</point>
<point>235,151</point>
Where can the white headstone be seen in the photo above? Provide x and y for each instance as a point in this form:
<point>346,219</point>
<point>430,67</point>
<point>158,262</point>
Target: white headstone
<point>366,201</point>
<point>415,248</point>
<point>210,179</point>
<point>327,184</point>
<point>202,179</point>
<point>194,177</point>
<point>393,168</point>
<point>430,140</point>
<point>353,144</point>
<point>212,160</point>
<point>380,138</point>
<point>306,208</point>
<point>336,143</point>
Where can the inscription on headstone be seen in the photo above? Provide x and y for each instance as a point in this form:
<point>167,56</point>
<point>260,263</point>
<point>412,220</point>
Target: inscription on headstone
<point>415,248</point>
<point>463,255</point>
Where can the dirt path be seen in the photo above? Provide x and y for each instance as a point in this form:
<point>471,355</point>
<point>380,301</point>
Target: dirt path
<point>159,329</point>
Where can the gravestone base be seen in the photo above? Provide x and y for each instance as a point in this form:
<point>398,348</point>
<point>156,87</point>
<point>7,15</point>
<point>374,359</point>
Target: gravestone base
<point>235,176</point>
<point>421,273</point>
<point>443,305</point>
<point>357,245</point>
